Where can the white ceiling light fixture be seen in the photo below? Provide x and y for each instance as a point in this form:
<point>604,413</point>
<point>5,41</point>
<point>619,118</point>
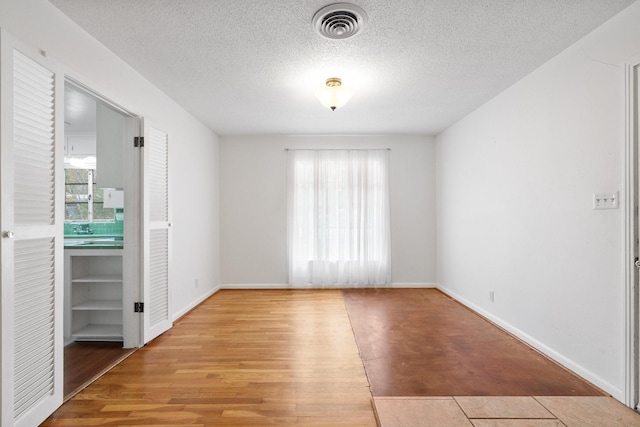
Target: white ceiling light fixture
<point>339,21</point>
<point>333,95</point>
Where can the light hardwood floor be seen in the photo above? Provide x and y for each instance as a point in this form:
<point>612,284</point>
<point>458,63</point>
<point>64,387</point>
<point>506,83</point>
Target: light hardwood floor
<point>259,358</point>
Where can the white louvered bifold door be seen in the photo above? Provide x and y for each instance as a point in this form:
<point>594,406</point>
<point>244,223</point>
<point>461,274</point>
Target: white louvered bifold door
<point>157,301</point>
<point>31,244</point>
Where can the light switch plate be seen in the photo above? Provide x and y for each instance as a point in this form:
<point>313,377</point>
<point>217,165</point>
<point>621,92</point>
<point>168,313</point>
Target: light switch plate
<point>605,200</point>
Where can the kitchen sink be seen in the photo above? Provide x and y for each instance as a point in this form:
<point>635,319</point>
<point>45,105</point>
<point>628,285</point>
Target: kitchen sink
<point>71,242</point>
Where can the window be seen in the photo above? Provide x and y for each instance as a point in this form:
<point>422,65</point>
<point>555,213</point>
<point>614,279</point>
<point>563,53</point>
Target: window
<point>83,201</point>
<point>338,217</point>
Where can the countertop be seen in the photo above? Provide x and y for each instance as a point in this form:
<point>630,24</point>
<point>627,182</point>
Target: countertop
<point>93,242</point>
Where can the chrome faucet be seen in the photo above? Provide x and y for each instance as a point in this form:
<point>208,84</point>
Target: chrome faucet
<point>82,229</point>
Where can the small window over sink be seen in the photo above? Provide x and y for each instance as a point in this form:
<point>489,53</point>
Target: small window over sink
<point>83,199</point>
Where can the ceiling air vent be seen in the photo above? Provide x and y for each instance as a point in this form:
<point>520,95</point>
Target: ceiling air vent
<point>339,21</point>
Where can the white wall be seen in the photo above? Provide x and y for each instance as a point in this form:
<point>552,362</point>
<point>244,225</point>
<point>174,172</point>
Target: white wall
<point>253,214</point>
<point>515,185</point>
<point>193,148</point>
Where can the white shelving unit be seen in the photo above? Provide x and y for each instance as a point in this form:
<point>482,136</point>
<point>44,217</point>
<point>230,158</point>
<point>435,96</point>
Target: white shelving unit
<point>94,299</point>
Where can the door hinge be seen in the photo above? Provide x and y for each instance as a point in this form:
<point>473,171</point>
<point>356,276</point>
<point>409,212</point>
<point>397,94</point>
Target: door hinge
<point>138,307</point>
<point>138,141</point>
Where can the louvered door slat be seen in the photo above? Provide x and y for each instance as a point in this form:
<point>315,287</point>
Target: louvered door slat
<point>28,66</point>
<point>32,126</point>
<point>159,277</point>
<point>32,157</point>
<point>33,142</point>
<point>34,317</point>
<point>32,86</point>
<point>33,356</point>
<point>28,345</point>
<point>158,175</point>
<point>32,203</point>
<point>31,352</point>
<point>31,273</point>
<point>39,184</point>
<point>33,83</point>
<point>32,129</point>
<point>34,112</point>
<point>30,102</point>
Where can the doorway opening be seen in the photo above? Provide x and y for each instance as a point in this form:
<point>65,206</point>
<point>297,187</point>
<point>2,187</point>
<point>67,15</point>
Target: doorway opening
<point>100,255</point>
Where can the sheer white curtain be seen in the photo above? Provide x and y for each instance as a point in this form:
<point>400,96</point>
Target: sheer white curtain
<point>338,217</point>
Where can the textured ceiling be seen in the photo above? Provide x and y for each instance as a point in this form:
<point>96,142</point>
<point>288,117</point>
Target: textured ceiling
<point>253,66</point>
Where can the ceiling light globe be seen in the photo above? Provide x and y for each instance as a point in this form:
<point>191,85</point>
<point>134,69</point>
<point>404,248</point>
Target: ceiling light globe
<point>333,95</point>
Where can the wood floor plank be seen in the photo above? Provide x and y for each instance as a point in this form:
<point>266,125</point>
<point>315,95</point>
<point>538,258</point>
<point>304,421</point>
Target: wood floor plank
<point>273,357</point>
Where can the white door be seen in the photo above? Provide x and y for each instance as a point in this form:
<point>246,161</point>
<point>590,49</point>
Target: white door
<point>31,208</point>
<point>156,232</point>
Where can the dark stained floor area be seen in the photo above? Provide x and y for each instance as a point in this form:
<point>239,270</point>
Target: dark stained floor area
<point>85,361</point>
<point>420,342</point>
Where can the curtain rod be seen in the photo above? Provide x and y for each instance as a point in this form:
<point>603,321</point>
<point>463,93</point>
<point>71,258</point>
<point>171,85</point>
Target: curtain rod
<point>337,149</point>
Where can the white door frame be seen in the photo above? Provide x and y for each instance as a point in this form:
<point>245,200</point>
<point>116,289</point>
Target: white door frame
<point>132,251</point>
<point>632,230</point>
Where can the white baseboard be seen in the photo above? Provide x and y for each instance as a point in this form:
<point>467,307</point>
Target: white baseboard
<point>414,285</point>
<point>195,303</point>
<point>256,286</point>
<point>616,392</point>
<point>287,286</point>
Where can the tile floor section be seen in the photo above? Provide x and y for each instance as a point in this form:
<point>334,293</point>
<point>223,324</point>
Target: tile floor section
<point>513,411</point>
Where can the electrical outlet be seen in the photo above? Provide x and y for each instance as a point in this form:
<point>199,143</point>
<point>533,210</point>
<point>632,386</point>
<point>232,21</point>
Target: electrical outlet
<point>196,283</point>
<point>605,200</point>
<point>491,296</point>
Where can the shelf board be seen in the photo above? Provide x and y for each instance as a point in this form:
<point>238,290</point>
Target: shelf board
<point>99,305</point>
<point>98,331</point>
<point>102,278</point>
